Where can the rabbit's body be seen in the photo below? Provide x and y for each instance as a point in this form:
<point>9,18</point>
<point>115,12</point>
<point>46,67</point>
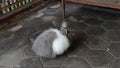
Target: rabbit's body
<point>50,43</point>
<point>61,43</point>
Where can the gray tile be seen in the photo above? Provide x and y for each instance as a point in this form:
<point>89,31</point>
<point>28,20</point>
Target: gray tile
<point>93,21</point>
<point>113,36</point>
<point>28,51</point>
<point>97,43</point>
<point>77,26</point>
<point>78,50</point>
<point>6,66</point>
<point>41,24</point>
<point>49,18</point>
<point>5,38</point>
<point>116,64</point>
<point>95,30</point>
<point>12,57</point>
<point>4,47</point>
<point>115,49</point>
<point>78,17</point>
<point>52,11</point>
<point>30,63</point>
<point>34,36</point>
<point>54,61</point>
<point>21,37</point>
<point>111,25</point>
<point>88,12</point>
<point>72,8</point>
<point>56,22</point>
<point>77,36</point>
<point>50,66</point>
<point>109,16</point>
<point>75,63</point>
<point>72,19</point>
<point>100,59</point>
<point>25,31</point>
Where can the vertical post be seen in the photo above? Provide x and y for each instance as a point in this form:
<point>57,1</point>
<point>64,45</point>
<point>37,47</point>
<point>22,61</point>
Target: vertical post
<point>63,8</point>
<point>27,1</point>
<point>23,2</point>
<point>15,4</point>
<point>0,6</point>
<point>12,6</point>
<point>3,7</point>
<point>20,4</point>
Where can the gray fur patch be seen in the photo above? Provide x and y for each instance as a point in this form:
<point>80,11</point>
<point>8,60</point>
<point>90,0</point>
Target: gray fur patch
<point>43,44</point>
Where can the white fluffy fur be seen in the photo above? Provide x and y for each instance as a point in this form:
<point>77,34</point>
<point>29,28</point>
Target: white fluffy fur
<point>61,43</point>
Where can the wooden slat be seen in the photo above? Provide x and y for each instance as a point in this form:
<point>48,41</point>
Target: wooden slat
<point>63,8</point>
<point>96,3</point>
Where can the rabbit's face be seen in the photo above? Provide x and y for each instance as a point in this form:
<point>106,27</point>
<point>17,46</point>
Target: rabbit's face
<point>64,28</point>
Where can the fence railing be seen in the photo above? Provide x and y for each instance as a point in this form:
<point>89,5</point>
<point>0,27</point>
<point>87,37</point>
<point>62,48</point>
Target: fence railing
<point>11,5</point>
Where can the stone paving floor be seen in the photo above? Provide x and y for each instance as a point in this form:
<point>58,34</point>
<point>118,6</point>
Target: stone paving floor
<point>94,35</point>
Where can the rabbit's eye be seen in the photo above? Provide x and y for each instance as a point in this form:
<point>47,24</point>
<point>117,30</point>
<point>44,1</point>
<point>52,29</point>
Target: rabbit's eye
<point>64,27</point>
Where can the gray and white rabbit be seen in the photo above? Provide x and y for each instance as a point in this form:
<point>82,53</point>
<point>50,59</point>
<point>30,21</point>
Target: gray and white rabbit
<point>52,42</point>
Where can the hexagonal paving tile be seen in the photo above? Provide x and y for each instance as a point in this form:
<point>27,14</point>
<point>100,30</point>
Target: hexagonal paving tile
<point>72,8</point>
<point>109,16</point>
<point>5,38</point>
<point>21,37</point>
<point>77,36</point>
<point>25,31</point>
<point>78,17</point>
<point>12,57</point>
<point>116,64</point>
<point>111,25</point>
<point>51,66</point>
<point>100,59</point>
<point>41,24</point>
<point>57,22</point>
<point>30,63</point>
<point>54,62</point>
<point>113,36</point>
<point>78,50</point>
<point>77,26</point>
<point>49,18</point>
<point>34,36</point>
<point>97,43</point>
<point>75,63</point>
<point>94,21</point>
<point>28,51</point>
<point>5,66</point>
<point>72,19</point>
<point>115,49</point>
<point>89,11</point>
<point>52,11</point>
<point>95,30</point>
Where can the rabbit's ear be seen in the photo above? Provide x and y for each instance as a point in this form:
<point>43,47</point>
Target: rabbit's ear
<point>64,24</point>
<point>64,28</point>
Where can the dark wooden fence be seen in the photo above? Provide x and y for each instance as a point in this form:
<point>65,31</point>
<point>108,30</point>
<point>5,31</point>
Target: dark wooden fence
<point>11,5</point>
<point>13,10</point>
